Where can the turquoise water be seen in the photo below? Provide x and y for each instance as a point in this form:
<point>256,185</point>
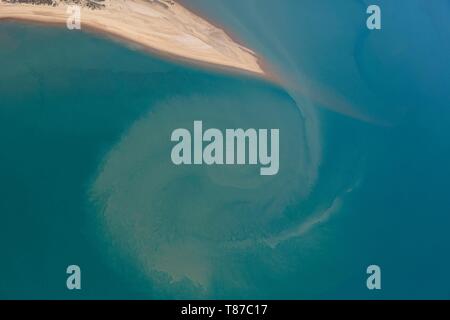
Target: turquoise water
<point>396,81</point>
<point>86,176</point>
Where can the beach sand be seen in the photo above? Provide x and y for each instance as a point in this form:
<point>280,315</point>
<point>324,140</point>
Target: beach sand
<point>161,26</point>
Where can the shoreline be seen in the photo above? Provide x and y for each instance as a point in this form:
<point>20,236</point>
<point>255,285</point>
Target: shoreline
<point>270,75</point>
<point>262,71</point>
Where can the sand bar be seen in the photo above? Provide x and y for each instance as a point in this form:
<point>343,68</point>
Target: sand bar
<point>162,26</point>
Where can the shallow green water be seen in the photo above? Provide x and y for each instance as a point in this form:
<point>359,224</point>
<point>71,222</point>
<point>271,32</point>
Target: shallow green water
<point>87,177</point>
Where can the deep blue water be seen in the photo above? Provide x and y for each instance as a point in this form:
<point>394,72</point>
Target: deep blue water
<point>397,81</point>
